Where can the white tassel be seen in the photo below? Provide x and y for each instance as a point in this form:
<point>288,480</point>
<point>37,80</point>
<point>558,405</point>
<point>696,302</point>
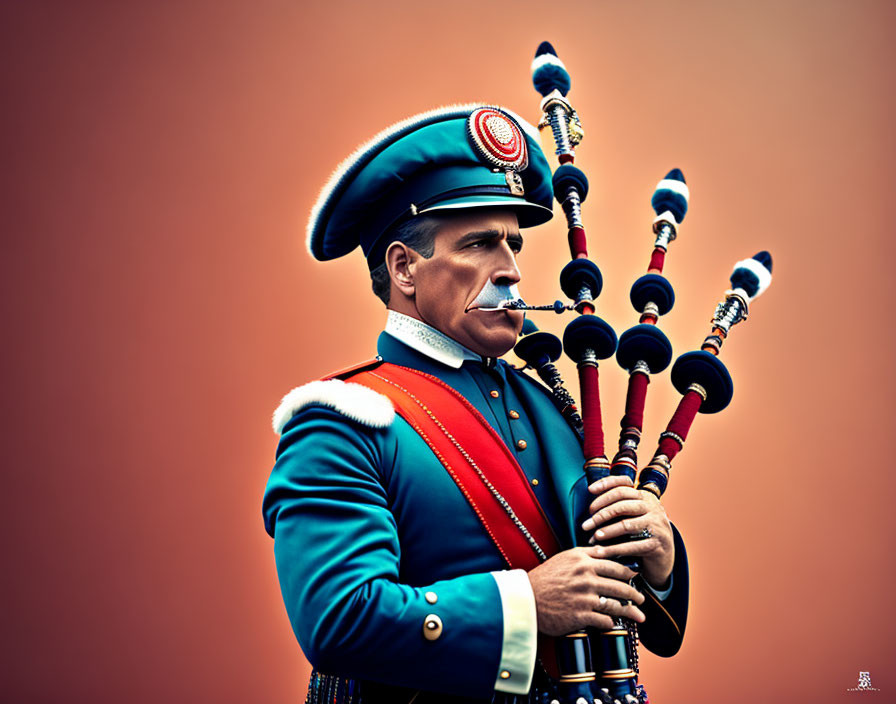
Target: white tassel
<point>671,184</point>
<point>547,60</point>
<point>758,268</point>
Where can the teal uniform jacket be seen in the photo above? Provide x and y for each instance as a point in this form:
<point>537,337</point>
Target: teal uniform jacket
<point>369,529</point>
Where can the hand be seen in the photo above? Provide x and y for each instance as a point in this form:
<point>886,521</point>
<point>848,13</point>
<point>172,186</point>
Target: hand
<point>620,510</point>
<point>575,589</point>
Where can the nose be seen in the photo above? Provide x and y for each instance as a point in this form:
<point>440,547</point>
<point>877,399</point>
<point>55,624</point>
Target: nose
<point>506,272</point>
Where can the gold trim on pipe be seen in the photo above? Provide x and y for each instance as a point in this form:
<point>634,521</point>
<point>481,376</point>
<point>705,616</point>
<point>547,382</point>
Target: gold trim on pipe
<point>578,677</point>
<point>618,674</point>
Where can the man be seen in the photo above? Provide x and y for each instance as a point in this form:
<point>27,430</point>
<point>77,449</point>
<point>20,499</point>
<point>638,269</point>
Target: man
<point>395,575</point>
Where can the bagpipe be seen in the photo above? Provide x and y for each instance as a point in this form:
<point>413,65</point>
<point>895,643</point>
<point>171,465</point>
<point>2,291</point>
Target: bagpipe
<point>603,667</point>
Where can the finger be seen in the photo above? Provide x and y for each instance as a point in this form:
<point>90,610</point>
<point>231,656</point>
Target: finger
<point>617,590</point>
<point>637,529</point>
<point>607,568</point>
<point>651,498</point>
<point>602,485</point>
<point>628,507</point>
<point>616,507</point>
<point>635,548</point>
<point>634,613</point>
<point>612,607</point>
<point>599,621</point>
<point>616,494</point>
<point>627,526</point>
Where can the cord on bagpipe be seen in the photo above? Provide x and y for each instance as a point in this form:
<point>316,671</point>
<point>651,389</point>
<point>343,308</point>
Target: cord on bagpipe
<point>642,350</point>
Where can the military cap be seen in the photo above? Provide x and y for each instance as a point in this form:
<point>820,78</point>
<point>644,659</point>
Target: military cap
<point>464,156</point>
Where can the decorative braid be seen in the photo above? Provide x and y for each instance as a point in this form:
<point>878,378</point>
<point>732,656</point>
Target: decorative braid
<point>551,376</point>
<point>633,641</point>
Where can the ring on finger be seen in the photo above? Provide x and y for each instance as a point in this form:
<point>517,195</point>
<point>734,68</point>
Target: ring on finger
<point>641,534</point>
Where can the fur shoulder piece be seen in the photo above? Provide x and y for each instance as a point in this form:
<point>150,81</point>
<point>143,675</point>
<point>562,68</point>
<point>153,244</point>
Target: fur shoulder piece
<point>354,401</point>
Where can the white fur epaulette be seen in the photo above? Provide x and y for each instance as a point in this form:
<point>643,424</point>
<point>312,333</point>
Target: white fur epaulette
<point>360,404</point>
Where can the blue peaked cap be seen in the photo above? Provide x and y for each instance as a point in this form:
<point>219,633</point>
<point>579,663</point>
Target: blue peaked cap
<point>460,157</point>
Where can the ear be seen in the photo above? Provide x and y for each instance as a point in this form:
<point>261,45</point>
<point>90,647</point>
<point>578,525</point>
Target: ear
<point>401,261</point>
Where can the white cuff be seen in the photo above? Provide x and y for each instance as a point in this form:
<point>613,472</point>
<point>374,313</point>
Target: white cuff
<point>662,595</point>
<point>520,632</point>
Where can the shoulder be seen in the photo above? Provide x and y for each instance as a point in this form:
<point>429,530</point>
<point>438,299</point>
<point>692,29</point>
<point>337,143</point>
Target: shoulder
<point>337,392</point>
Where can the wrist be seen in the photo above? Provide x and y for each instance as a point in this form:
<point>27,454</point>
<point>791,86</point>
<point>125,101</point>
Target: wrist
<point>657,576</point>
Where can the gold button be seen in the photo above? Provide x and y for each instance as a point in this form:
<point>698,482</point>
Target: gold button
<point>514,414</point>
<point>431,597</point>
<point>494,394</point>
<point>432,627</point>
<point>534,482</point>
<point>521,444</point>
<point>505,674</point>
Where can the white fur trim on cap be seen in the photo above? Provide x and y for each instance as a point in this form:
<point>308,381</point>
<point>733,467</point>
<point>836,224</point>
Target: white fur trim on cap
<point>360,404</point>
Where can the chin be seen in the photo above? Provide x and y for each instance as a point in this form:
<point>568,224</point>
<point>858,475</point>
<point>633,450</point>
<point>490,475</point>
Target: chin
<point>499,337</point>
<point>496,348</point>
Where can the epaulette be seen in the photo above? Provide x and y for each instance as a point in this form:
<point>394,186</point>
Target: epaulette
<point>354,401</point>
<point>349,372</point>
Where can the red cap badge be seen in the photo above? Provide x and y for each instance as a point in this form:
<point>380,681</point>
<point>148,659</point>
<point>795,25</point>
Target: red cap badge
<point>498,138</point>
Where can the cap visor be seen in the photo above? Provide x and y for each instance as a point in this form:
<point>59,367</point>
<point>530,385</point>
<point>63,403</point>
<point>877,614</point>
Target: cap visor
<point>528,214</point>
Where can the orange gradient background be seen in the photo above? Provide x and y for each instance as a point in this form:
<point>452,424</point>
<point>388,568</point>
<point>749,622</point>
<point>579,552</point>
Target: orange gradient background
<point>159,160</point>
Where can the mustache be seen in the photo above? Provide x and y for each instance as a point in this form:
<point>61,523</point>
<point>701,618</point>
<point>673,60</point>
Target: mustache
<point>494,297</point>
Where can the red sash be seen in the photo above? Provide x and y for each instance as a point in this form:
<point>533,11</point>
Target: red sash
<point>463,441</point>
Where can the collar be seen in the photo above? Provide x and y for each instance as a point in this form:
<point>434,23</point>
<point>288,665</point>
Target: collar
<point>428,341</point>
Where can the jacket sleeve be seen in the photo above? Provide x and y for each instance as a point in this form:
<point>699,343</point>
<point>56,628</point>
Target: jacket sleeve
<point>663,629</point>
<point>337,552</point>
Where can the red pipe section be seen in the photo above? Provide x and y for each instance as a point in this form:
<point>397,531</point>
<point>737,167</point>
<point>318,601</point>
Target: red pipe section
<point>594,431</point>
<point>578,245</point>
<point>634,401</point>
<point>657,260</point>
<point>680,424</point>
